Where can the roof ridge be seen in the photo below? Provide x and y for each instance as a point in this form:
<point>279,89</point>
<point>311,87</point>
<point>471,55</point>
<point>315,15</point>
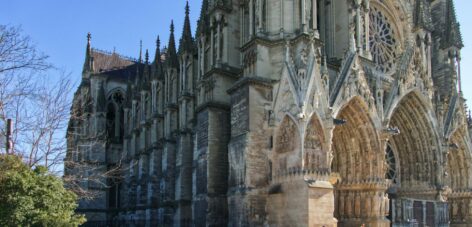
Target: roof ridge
<point>124,57</point>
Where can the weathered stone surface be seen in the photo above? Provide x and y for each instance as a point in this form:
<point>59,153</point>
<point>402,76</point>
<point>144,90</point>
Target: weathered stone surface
<point>281,113</point>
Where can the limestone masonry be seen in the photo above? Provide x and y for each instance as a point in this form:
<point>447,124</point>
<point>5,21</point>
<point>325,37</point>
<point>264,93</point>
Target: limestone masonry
<point>280,113</point>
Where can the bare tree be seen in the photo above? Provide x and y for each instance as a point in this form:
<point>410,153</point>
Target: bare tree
<point>17,52</point>
<point>38,98</point>
<point>35,98</point>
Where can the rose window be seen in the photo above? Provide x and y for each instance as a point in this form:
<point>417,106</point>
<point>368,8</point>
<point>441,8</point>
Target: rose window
<point>383,44</point>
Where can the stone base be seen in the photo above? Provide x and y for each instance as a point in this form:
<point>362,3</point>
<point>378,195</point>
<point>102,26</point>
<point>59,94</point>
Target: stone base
<point>462,224</point>
<point>364,222</point>
<point>297,203</point>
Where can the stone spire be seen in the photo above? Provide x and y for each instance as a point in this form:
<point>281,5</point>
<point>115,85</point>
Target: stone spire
<point>186,41</point>
<point>157,57</point>
<point>146,73</point>
<point>157,64</point>
<point>452,35</point>
<point>140,60</point>
<point>171,55</point>
<point>139,64</point>
<point>204,21</point>
<point>422,16</point>
<point>88,64</point>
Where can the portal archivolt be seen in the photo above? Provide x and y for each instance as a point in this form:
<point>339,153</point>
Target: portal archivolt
<point>360,192</point>
<point>356,145</point>
<point>458,169</point>
<point>416,146</point>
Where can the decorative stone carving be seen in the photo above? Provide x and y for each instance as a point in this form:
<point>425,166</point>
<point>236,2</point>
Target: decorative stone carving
<point>286,136</point>
<point>300,60</point>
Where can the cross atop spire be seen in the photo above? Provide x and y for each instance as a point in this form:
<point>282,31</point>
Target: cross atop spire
<point>88,64</point>
<point>89,37</point>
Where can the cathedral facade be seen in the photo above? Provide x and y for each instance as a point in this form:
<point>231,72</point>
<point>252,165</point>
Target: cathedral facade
<point>280,113</point>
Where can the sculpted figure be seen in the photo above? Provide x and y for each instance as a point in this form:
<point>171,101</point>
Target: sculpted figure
<point>386,204</point>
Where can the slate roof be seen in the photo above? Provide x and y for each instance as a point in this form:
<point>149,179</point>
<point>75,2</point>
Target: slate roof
<point>104,61</point>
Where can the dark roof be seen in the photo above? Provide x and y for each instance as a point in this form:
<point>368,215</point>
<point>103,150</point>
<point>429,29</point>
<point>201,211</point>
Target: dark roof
<point>104,61</point>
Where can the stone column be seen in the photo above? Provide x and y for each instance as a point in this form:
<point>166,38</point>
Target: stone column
<point>211,166</point>
<point>315,18</point>
<point>303,21</point>
<point>218,37</point>
<point>168,172</point>
<point>358,26</point>
<point>251,19</point>
<point>367,29</point>
<point>184,179</point>
<point>363,203</point>
<point>460,209</point>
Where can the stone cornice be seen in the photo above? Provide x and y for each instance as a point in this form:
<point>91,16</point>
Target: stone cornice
<point>213,105</point>
<point>253,80</point>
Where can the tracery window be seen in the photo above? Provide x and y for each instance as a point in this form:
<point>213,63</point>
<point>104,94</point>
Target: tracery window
<point>115,117</point>
<point>383,44</point>
<point>391,172</point>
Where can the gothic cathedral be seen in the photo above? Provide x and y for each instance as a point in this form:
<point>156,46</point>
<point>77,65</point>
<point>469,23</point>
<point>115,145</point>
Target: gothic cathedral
<point>280,113</point>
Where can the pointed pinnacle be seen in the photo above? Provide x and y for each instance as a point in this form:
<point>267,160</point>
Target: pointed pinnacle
<point>172,26</point>
<point>157,57</point>
<point>187,9</point>
<point>325,65</point>
<point>146,56</point>
<point>140,51</point>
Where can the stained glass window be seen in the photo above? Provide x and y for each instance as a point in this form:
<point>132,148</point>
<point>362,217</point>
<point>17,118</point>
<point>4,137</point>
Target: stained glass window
<point>383,44</point>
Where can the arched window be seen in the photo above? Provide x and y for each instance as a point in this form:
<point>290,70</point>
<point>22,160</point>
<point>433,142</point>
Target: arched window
<point>111,118</point>
<point>115,117</point>
<point>391,172</point>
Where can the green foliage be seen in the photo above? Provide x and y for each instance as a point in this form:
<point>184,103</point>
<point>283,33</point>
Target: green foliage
<point>34,197</point>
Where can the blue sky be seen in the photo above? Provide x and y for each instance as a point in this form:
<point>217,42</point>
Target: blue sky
<point>59,27</point>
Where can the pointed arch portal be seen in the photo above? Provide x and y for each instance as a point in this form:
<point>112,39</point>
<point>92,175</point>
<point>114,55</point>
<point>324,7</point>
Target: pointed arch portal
<point>458,177</point>
<point>416,188</point>
<point>417,149</point>
<point>360,193</point>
